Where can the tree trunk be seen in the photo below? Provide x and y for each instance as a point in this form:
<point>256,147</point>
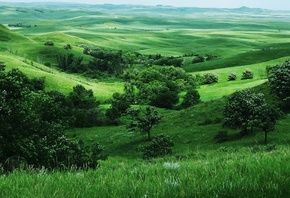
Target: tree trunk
<point>244,131</point>
<point>149,135</point>
<point>266,137</point>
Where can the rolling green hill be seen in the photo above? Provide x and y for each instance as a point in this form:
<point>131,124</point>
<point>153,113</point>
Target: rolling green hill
<point>7,36</point>
<point>199,166</point>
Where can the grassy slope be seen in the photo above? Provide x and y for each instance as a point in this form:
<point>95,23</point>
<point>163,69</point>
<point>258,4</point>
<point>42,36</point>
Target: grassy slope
<point>60,81</point>
<point>192,129</point>
<point>28,54</point>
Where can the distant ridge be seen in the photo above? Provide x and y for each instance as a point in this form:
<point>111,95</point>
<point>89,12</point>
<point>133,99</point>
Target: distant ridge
<point>247,9</point>
<point>108,6</point>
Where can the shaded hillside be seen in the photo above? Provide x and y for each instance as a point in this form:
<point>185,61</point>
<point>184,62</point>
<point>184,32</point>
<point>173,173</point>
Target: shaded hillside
<point>7,35</point>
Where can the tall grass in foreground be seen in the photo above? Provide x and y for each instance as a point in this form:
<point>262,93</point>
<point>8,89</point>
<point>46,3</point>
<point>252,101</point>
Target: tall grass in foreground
<point>247,172</point>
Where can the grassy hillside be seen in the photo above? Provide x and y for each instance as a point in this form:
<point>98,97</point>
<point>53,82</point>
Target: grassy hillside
<point>56,80</point>
<point>199,166</point>
<point>191,129</point>
<point>8,36</point>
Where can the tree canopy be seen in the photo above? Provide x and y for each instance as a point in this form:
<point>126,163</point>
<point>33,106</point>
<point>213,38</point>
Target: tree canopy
<point>32,126</point>
<point>279,80</point>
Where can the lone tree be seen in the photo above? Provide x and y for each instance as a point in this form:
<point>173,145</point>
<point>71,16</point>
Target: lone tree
<point>143,121</point>
<point>279,80</point>
<point>242,110</point>
<point>266,119</point>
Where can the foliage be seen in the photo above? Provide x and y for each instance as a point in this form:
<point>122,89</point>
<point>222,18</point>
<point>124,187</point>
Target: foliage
<point>119,105</point>
<point>109,61</point>
<point>129,92</point>
<point>210,78</point>
<point>160,146</point>
<point>266,119</point>
<point>49,43</point>
<point>143,121</point>
<point>160,86</point>
<point>232,76</point>
<point>38,137</point>
<point>67,47</point>
<point>164,95</point>
<point>248,109</point>
<point>84,107</point>
<point>166,61</point>
<point>68,62</point>
<point>198,59</point>
<point>248,74</point>
<point>279,81</point>
<point>191,98</point>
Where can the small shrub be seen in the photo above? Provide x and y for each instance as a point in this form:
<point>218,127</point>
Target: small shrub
<point>232,76</point>
<point>221,136</point>
<point>49,43</point>
<point>47,64</point>
<point>191,98</point>
<point>67,47</point>
<point>160,146</point>
<point>199,79</point>
<point>248,74</point>
<point>210,78</point>
<point>198,59</point>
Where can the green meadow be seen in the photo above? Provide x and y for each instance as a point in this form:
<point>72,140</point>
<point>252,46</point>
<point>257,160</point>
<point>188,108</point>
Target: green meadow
<point>199,165</point>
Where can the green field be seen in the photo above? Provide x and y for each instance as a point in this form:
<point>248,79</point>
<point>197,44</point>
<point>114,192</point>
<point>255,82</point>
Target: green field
<point>199,166</point>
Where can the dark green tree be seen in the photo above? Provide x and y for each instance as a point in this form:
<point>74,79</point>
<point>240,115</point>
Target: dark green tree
<point>160,86</point>
<point>119,105</point>
<point>164,96</point>
<point>32,127</point>
<point>84,105</point>
<point>242,110</point>
<point>143,121</point>
<point>210,78</point>
<point>198,59</point>
<point>279,81</point>
<point>232,76</point>
<point>248,74</point>
<point>160,146</point>
<point>191,98</point>
<point>68,62</point>
<point>266,119</point>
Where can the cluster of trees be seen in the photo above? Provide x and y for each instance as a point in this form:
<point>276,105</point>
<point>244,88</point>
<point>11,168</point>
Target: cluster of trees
<point>247,109</point>
<point>247,74</point>
<point>70,63</point>
<point>19,25</point>
<point>111,62</point>
<point>160,86</point>
<point>200,58</point>
<point>105,62</point>
<point>155,86</point>
<point>279,81</point>
<point>160,60</point>
<point>210,78</point>
<point>33,122</point>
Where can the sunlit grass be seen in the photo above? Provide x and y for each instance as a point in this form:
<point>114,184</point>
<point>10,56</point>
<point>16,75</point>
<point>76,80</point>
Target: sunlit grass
<point>246,172</point>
